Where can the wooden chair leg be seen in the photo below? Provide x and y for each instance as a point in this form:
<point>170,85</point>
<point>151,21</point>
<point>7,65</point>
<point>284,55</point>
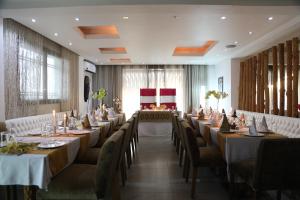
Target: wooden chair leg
<point>278,195</point>
<point>180,155</point>
<point>128,157</point>
<point>122,170</point>
<point>194,179</point>
<point>184,164</point>
<point>187,175</point>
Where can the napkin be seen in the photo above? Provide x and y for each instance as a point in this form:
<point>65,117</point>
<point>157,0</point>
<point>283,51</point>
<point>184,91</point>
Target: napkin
<point>252,128</point>
<point>86,122</point>
<point>194,113</point>
<point>105,115</point>
<point>225,126</point>
<point>201,115</point>
<point>263,127</point>
<point>212,119</point>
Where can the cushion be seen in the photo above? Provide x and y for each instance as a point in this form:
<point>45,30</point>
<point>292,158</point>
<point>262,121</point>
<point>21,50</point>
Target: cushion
<point>75,182</point>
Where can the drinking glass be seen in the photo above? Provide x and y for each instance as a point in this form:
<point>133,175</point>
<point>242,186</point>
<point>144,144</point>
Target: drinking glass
<point>3,138</point>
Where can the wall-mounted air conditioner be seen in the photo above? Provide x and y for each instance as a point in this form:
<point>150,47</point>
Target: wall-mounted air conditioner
<point>89,66</point>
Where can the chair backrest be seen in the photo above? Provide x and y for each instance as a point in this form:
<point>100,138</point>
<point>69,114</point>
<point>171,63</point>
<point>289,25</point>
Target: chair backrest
<point>278,164</point>
<point>136,124</point>
<point>108,164</point>
<point>191,143</point>
<point>127,127</point>
<point>179,121</point>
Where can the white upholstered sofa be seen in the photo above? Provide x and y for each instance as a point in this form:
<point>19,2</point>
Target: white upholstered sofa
<point>24,125</point>
<point>287,126</point>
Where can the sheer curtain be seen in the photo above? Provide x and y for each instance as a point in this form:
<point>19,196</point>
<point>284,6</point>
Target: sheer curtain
<point>134,78</point>
<point>39,74</point>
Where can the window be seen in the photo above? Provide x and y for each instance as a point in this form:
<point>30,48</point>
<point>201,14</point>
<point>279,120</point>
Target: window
<point>40,76</point>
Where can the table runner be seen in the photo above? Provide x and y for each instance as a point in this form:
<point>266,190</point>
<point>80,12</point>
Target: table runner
<point>155,116</point>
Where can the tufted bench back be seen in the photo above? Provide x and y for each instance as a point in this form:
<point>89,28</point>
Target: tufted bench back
<point>22,125</point>
<point>287,126</point>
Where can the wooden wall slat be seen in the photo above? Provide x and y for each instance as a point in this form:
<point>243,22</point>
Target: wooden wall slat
<point>295,77</point>
<point>262,82</point>
<point>281,78</point>
<point>244,86</point>
<point>254,67</point>
<point>275,80</point>
<point>289,72</point>
<point>266,83</point>
<point>249,84</point>
<point>258,77</point>
<point>241,86</point>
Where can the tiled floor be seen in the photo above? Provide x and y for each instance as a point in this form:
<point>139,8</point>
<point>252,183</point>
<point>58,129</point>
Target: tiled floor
<point>156,175</point>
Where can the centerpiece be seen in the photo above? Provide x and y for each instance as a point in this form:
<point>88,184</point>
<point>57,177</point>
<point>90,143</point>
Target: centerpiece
<point>99,95</point>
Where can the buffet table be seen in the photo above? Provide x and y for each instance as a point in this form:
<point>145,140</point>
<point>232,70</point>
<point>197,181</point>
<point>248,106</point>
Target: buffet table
<point>155,123</point>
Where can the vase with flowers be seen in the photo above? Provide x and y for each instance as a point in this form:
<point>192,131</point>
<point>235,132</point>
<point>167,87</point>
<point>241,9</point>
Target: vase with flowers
<point>99,95</point>
<point>217,94</point>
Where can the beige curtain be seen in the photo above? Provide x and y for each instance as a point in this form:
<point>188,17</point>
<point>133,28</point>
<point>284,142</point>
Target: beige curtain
<point>40,75</point>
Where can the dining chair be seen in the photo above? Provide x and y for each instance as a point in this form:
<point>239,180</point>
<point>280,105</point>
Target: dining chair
<point>199,156</point>
<point>82,181</point>
<point>276,167</point>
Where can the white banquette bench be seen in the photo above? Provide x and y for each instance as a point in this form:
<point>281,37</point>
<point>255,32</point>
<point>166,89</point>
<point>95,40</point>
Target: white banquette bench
<point>287,126</point>
<point>21,126</point>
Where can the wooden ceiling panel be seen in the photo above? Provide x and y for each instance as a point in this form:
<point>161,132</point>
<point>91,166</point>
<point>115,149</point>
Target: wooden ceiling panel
<point>98,32</point>
<point>194,51</point>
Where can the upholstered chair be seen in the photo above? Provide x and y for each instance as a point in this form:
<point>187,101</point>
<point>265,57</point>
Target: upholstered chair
<point>276,167</point>
<point>199,156</point>
<point>82,181</point>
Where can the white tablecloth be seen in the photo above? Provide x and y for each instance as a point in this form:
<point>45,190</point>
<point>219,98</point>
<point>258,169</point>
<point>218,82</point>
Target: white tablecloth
<point>155,129</point>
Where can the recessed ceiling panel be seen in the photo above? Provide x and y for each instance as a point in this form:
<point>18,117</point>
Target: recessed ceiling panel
<point>194,50</point>
<point>98,32</point>
<point>114,50</point>
<point>120,60</point>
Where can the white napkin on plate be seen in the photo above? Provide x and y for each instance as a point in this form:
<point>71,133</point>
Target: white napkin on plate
<point>252,128</point>
<point>263,127</point>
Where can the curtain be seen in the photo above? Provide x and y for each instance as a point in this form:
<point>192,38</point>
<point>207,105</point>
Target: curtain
<point>195,86</point>
<point>39,74</point>
<point>110,78</point>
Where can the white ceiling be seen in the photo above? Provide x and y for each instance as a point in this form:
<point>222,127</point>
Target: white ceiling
<point>152,32</point>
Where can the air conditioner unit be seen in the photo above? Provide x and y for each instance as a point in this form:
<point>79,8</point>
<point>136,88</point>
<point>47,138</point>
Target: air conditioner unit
<point>89,66</point>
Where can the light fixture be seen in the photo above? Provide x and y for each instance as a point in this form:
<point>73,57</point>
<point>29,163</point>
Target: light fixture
<point>77,18</point>
<point>236,42</point>
<point>223,17</point>
<point>70,43</point>
<point>250,32</point>
<point>125,17</point>
<point>33,20</point>
<point>55,34</point>
<point>270,18</point>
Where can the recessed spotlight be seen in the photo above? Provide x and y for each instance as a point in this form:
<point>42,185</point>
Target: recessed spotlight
<point>33,20</point>
<point>223,17</point>
<point>77,18</point>
<point>70,43</point>
<point>250,32</point>
<point>55,34</point>
<point>125,17</point>
<point>236,42</point>
<point>270,18</point>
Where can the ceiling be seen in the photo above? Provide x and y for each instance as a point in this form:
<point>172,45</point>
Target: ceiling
<point>152,32</point>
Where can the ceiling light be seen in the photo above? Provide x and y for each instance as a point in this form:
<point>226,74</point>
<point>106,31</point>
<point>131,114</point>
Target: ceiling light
<point>125,17</point>
<point>270,18</point>
<point>70,43</point>
<point>33,20</point>
<point>250,32</point>
<point>236,42</point>
<point>77,18</point>
<point>223,17</point>
<point>55,34</point>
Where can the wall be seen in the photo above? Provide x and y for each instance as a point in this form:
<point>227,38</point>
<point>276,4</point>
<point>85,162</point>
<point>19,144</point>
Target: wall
<point>2,103</point>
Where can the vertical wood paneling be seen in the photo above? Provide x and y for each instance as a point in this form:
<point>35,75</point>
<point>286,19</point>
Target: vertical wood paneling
<point>262,82</point>
<point>281,78</point>
<point>258,77</point>
<point>275,80</point>
<point>295,76</point>
<point>241,86</point>
<point>254,63</point>
<point>266,83</point>
<point>289,72</point>
<point>244,86</point>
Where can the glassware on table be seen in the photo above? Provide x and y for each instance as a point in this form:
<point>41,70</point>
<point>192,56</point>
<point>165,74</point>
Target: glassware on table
<point>3,138</point>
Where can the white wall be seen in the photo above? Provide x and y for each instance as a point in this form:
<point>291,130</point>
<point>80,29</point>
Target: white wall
<point>2,103</point>
<point>222,68</point>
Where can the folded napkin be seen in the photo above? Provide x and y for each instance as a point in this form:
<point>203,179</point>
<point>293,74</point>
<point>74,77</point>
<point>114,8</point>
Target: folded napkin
<point>225,126</point>
<point>263,127</point>
<point>252,128</point>
<point>201,115</point>
<point>86,122</point>
<point>213,119</point>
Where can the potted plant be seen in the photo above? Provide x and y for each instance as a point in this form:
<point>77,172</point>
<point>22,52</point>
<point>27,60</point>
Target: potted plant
<point>99,95</point>
<point>217,94</point>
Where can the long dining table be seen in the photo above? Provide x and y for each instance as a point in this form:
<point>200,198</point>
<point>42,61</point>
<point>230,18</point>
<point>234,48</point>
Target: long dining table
<point>235,145</point>
<point>37,166</point>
